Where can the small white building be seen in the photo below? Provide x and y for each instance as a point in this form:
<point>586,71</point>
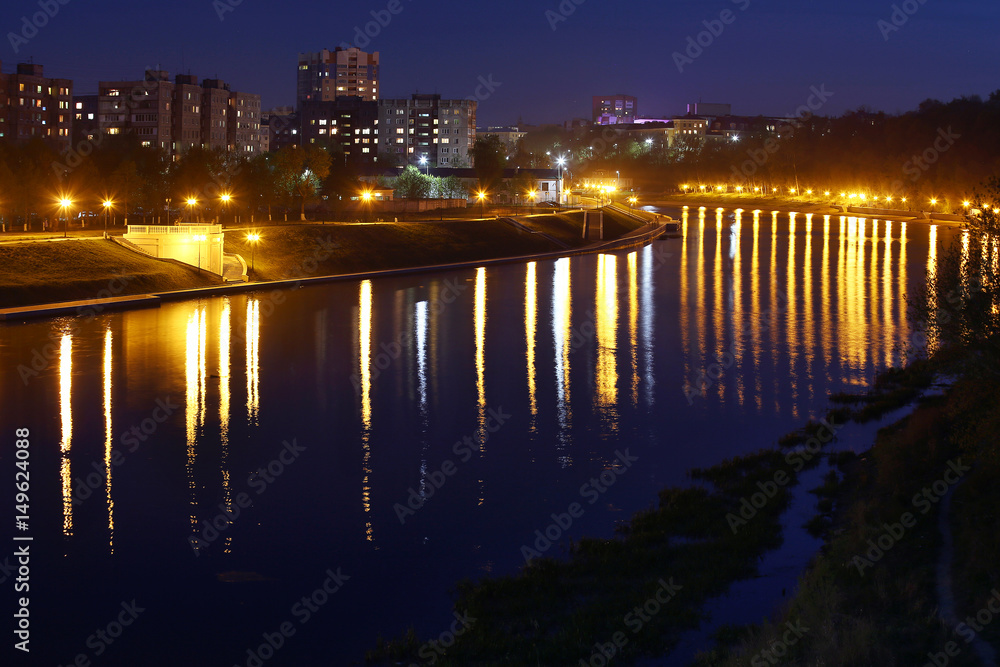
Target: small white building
<point>195,244</point>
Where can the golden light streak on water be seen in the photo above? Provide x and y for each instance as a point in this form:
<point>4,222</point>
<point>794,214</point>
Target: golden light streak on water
<point>736,299</point>
<point>826,327</point>
<point>225,399</point>
<point>702,305</point>
<point>808,314</point>
<point>757,309</point>
<point>633,321</point>
<point>253,360</point>
<point>887,292</point>
<point>192,406</point>
<point>480,324</point>
<point>365,373</point>
<point>108,437</point>
<point>685,323</point>
<point>775,305</point>
<point>66,424</point>
<point>791,318</point>
<point>606,311</point>
<point>719,312</point>
<point>530,332</point>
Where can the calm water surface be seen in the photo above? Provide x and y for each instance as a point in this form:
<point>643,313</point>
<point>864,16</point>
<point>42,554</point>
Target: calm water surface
<point>358,402</point>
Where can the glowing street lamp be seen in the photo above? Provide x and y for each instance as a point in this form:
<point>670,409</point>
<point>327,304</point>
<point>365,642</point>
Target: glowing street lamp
<point>225,198</point>
<point>933,201</point>
<point>366,197</point>
<point>64,204</point>
<point>253,238</point>
<point>107,210</point>
<point>482,201</point>
<point>423,163</point>
<point>191,203</point>
<point>531,196</point>
<point>560,163</point>
<point>631,202</point>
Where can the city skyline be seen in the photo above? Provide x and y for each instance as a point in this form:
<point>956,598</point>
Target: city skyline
<point>763,59</point>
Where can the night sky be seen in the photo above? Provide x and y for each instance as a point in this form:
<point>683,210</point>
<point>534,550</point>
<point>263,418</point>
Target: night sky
<point>765,61</point>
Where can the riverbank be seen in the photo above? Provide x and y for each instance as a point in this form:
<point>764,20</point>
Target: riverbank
<point>872,597</point>
<point>87,269</point>
<point>908,573</point>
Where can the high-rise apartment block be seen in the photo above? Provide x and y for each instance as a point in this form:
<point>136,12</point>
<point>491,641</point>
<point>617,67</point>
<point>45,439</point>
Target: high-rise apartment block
<point>344,72</point>
<point>173,116</point>
<point>32,105</point>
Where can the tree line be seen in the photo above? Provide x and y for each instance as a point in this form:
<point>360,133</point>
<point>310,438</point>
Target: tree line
<point>941,150</point>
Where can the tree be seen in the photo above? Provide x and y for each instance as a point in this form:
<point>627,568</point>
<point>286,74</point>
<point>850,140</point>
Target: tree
<point>299,172</point>
<point>412,184</point>
<point>451,187</point>
<point>489,156</point>
<point>126,184</point>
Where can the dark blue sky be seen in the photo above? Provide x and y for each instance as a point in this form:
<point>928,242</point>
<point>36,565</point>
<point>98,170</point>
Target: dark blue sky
<point>764,62</point>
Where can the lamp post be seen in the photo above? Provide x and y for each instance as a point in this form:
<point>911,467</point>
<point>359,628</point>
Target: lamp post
<point>560,162</point>
<point>107,211</point>
<point>225,199</point>
<point>366,197</point>
<point>482,202</point>
<point>191,202</point>
<point>168,200</point>
<point>631,203</point>
<point>423,163</point>
<point>253,238</point>
<point>64,204</point>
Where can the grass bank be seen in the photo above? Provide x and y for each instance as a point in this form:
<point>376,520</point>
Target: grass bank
<point>48,272</point>
<point>872,595</point>
<point>34,273</point>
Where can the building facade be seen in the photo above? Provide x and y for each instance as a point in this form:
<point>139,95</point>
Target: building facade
<point>348,124</point>
<point>173,116</point>
<point>615,109</point>
<point>32,105</point>
<point>326,75</point>
<point>427,130</point>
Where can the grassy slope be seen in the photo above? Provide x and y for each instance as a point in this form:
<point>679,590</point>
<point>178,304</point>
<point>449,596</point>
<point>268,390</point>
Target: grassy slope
<point>889,616</point>
<point>48,272</point>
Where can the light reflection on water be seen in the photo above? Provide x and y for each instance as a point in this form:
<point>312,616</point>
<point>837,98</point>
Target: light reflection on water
<point>588,355</point>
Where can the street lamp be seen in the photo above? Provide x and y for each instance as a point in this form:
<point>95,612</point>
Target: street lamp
<point>253,238</point>
<point>107,210</point>
<point>482,201</point>
<point>631,203</point>
<point>531,196</point>
<point>423,163</point>
<point>225,199</point>
<point>366,197</point>
<point>64,204</point>
<point>168,200</point>
<point>191,202</point>
<point>560,163</point>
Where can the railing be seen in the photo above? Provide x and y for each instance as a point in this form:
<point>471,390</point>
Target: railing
<point>179,229</point>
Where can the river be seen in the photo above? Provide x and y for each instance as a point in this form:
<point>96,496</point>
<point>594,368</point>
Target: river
<point>281,477</point>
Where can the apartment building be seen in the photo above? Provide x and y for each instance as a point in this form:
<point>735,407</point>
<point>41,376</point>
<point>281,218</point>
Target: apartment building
<point>33,105</point>
<point>426,129</point>
<point>324,76</point>
<point>173,116</point>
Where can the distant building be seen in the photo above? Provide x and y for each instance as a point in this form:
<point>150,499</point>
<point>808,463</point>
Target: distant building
<point>545,183</point>
<point>326,75</point>
<point>426,126</point>
<point>615,109</point>
<point>282,128</point>
<point>347,124</point>
<point>32,105</point>
<point>709,109</point>
<point>173,116</point>
<point>509,136</point>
